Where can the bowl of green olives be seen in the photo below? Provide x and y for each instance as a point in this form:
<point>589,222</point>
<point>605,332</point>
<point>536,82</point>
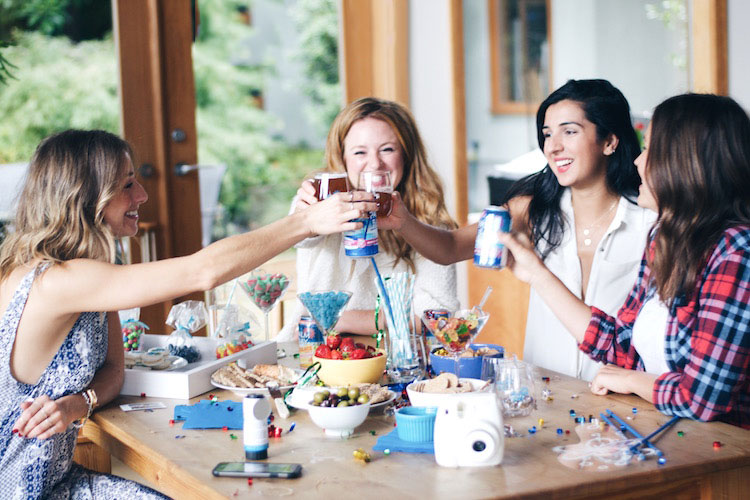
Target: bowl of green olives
<point>339,411</point>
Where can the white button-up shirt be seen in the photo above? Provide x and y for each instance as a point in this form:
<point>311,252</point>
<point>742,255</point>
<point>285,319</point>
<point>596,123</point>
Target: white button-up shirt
<point>613,273</point>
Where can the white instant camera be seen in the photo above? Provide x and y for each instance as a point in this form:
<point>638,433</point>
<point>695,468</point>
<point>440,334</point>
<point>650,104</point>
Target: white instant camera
<point>469,431</point>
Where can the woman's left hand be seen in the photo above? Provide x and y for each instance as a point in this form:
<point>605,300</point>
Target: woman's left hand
<point>42,418</point>
<point>611,378</point>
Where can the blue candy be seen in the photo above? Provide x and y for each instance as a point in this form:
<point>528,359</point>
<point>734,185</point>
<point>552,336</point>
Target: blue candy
<point>325,307</point>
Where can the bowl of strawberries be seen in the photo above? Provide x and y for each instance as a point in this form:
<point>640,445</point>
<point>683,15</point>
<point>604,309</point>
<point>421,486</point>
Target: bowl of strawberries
<point>343,361</point>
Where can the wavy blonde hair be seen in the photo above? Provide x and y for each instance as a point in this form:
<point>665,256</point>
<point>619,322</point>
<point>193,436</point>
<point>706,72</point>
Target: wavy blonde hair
<point>72,177</point>
<point>420,187</point>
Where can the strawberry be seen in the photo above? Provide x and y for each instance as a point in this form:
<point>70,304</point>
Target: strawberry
<point>333,341</point>
<point>323,351</point>
<point>358,354</point>
<point>360,345</point>
<point>347,345</point>
<point>336,355</point>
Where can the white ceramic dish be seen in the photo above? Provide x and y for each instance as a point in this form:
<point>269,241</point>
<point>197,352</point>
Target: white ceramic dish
<point>244,391</point>
<point>434,399</point>
<point>301,397</point>
<point>175,363</point>
<point>338,422</point>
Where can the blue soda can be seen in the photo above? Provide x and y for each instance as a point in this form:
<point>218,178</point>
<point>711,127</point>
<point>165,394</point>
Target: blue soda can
<point>362,242</point>
<point>310,337</point>
<point>488,251</point>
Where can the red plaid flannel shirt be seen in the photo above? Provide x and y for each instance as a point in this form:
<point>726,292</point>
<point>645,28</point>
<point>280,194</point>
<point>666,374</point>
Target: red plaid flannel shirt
<point>707,342</point>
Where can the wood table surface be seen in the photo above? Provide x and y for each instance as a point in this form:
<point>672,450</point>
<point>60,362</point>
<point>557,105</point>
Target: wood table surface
<point>182,467</point>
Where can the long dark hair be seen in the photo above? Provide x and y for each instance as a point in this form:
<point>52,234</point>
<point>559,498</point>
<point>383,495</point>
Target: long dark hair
<point>606,107</point>
<point>698,169</point>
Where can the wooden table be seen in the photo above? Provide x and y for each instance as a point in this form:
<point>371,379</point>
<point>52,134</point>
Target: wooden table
<point>182,467</point>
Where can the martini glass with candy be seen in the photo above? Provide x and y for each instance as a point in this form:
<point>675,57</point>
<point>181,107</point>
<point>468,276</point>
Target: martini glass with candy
<point>457,331</point>
<point>265,290</point>
<point>325,306</point>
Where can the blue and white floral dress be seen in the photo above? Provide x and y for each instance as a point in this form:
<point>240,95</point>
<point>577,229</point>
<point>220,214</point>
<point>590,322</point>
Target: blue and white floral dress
<point>34,468</point>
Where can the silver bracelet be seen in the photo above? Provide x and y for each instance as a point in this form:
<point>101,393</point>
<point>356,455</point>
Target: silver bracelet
<point>90,397</point>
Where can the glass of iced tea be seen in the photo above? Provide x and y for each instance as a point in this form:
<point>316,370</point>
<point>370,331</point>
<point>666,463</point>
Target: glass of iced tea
<point>328,183</point>
<point>380,184</point>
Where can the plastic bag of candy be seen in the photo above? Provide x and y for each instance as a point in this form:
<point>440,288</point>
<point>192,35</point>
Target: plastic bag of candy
<point>132,328</point>
<point>186,317</point>
<point>237,338</point>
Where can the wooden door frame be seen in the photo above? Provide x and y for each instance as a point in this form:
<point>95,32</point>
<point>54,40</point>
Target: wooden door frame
<point>157,96</point>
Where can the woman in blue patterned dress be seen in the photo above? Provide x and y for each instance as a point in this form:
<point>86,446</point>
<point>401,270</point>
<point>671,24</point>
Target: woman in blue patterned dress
<point>59,356</point>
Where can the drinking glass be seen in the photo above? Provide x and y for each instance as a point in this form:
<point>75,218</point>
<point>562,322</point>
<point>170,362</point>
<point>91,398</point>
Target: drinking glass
<point>328,183</point>
<point>457,331</point>
<point>379,183</point>
<point>265,290</point>
<point>515,386</point>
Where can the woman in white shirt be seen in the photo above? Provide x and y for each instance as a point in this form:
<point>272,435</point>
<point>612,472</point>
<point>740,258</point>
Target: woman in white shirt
<point>373,134</point>
<point>579,212</point>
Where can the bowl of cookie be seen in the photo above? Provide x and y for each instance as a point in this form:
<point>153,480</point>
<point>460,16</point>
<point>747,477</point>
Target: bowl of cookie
<point>446,385</point>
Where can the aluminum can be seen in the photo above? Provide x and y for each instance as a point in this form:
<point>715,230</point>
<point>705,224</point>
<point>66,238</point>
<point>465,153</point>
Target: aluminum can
<point>362,242</point>
<point>310,337</point>
<point>255,412</point>
<point>488,251</point>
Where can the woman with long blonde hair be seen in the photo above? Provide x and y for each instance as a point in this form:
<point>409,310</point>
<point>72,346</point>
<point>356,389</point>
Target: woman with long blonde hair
<point>61,354</point>
<point>373,134</point>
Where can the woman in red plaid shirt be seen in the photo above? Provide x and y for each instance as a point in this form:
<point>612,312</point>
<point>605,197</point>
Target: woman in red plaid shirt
<point>682,338</point>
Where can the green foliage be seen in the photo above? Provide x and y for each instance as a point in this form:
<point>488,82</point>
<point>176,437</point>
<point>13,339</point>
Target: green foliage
<point>318,28</point>
<point>58,85</point>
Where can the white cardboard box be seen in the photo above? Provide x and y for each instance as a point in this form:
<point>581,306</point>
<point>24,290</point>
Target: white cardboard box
<point>195,378</point>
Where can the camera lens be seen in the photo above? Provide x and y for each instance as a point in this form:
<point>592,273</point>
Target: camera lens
<point>479,446</point>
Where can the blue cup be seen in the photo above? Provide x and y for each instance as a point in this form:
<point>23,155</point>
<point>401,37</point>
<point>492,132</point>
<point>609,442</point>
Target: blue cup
<point>416,424</point>
<point>469,367</point>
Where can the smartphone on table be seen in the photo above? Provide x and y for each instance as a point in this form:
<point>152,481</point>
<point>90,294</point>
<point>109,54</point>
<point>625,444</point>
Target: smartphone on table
<point>257,469</point>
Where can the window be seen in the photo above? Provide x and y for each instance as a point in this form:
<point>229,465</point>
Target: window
<point>520,61</point>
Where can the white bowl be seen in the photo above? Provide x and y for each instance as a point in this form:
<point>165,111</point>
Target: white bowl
<point>435,399</point>
<point>337,421</point>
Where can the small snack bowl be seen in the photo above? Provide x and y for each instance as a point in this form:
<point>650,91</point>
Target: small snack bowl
<point>469,366</point>
<point>338,421</point>
<point>351,371</point>
<point>416,424</point>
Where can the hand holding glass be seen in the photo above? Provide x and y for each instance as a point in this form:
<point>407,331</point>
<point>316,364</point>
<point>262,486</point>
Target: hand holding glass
<point>379,183</point>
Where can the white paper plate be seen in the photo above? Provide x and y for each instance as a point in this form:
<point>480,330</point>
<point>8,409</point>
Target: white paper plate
<point>300,399</point>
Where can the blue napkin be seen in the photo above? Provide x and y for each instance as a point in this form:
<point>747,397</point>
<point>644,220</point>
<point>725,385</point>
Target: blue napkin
<point>392,442</point>
<point>209,415</point>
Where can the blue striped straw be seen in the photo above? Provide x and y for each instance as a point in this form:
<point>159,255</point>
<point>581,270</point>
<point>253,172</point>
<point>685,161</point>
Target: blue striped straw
<point>382,285</point>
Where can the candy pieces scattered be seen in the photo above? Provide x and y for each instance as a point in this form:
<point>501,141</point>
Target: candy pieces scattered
<point>233,436</point>
<point>546,395</point>
<point>662,460</point>
<point>264,289</point>
<point>387,451</point>
<point>717,445</point>
<point>680,433</point>
<point>325,307</point>
<point>361,455</point>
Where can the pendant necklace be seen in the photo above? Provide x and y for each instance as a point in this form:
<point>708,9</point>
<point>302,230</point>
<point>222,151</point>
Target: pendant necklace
<point>587,231</point>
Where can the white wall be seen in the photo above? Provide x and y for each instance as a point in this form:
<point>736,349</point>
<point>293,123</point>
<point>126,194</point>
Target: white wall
<point>738,14</point>
<point>431,95</point>
<point>609,39</point>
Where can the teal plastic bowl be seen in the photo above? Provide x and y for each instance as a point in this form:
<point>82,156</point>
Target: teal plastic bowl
<point>416,424</point>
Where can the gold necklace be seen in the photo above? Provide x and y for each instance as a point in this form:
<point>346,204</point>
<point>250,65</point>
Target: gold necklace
<point>587,231</point>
